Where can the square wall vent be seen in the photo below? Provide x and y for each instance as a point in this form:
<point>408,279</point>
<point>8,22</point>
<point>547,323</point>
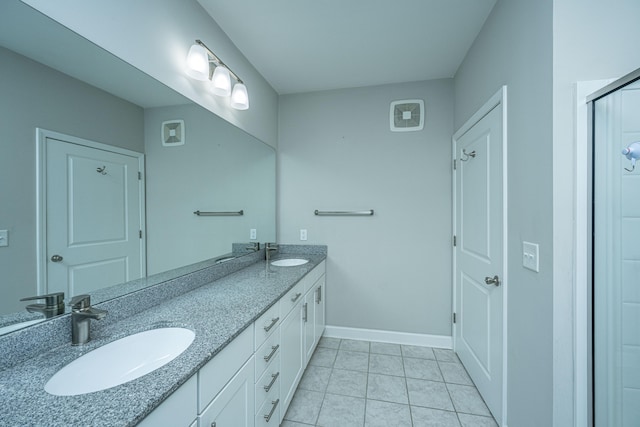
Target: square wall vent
<point>407,115</point>
<point>173,133</point>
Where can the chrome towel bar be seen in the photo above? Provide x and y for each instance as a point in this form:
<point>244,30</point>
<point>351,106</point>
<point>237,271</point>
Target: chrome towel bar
<point>200,213</point>
<point>344,213</point>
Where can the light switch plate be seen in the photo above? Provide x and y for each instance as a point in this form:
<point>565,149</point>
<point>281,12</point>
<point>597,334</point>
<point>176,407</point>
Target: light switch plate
<point>303,234</point>
<point>4,238</point>
<point>253,234</point>
<point>530,256</point>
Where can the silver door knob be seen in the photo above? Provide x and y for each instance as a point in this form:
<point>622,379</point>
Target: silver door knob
<point>495,280</point>
<point>56,258</point>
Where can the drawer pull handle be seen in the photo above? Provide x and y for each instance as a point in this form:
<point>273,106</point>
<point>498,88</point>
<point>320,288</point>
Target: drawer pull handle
<point>273,351</point>
<point>305,315</point>
<point>319,295</point>
<point>273,409</point>
<point>295,298</point>
<point>273,323</point>
<point>213,424</point>
<point>274,377</point>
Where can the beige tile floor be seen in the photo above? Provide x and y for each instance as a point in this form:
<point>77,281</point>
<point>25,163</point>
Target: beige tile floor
<point>361,383</point>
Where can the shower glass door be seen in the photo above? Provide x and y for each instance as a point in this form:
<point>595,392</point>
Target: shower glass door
<point>616,259</point>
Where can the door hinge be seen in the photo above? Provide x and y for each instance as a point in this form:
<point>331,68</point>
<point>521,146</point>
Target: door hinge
<point>454,164</point>
<point>139,176</point>
<point>140,233</point>
<point>454,318</point>
<point>455,240</point>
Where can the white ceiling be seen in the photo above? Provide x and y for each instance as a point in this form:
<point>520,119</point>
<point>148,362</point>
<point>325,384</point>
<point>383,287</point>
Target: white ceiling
<point>310,45</point>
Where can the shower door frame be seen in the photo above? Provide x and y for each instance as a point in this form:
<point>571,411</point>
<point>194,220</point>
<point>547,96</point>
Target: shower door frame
<point>590,249</point>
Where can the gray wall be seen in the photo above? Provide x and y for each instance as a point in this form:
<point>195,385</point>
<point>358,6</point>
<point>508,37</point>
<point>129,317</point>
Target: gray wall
<point>37,96</point>
<point>155,38</point>
<point>219,168</point>
<point>391,271</point>
<point>592,40</point>
<point>514,48</point>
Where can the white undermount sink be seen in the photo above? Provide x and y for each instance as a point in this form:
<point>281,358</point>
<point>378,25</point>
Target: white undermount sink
<point>120,361</point>
<point>289,262</point>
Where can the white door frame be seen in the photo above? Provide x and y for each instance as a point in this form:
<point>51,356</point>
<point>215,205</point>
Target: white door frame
<point>41,197</point>
<point>582,250</point>
<point>499,98</point>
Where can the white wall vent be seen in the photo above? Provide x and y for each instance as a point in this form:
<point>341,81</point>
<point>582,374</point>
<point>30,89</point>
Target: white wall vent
<point>407,115</point>
<point>173,133</point>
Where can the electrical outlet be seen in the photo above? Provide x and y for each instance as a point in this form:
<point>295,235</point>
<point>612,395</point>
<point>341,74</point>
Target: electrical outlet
<point>530,256</point>
<point>253,234</point>
<point>303,234</point>
<point>4,238</point>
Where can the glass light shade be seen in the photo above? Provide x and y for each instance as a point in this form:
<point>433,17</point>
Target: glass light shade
<point>221,81</point>
<point>198,63</point>
<point>240,97</point>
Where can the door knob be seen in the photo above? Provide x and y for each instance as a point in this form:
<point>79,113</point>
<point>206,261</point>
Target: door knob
<point>495,280</point>
<point>56,258</point>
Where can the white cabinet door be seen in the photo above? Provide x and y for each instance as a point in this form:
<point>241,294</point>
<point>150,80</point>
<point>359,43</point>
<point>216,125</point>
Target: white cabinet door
<point>308,325</point>
<point>319,311</point>
<point>234,406</point>
<point>179,409</point>
<point>291,361</point>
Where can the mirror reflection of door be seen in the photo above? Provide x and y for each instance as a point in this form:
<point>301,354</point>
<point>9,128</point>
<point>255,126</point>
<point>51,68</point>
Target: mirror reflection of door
<point>94,215</point>
<point>479,252</point>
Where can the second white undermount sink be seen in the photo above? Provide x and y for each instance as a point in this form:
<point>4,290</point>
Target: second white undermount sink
<point>120,361</point>
<point>289,262</point>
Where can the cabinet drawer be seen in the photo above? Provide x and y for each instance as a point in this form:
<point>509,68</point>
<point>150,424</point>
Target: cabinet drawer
<point>267,324</point>
<point>267,352</point>
<point>214,375</point>
<point>312,277</point>
<point>268,382</point>
<point>291,298</point>
<point>268,415</point>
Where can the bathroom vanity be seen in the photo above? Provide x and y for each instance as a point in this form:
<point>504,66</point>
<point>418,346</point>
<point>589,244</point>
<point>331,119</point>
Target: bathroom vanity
<point>255,329</point>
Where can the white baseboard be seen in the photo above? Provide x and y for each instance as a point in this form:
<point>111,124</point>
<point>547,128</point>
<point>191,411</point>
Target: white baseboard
<point>437,341</point>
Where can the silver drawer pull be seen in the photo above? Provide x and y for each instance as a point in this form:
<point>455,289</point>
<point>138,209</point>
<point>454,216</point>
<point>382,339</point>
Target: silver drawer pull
<point>213,424</point>
<point>273,409</point>
<point>295,298</point>
<point>274,377</point>
<point>305,314</point>
<point>273,323</point>
<point>273,351</point>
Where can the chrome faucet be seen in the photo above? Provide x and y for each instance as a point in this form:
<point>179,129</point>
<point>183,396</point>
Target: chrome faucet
<point>255,247</point>
<point>53,304</point>
<point>81,315</point>
<point>270,247</point>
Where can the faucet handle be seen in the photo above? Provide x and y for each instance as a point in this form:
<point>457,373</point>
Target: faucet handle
<point>51,300</point>
<point>80,302</point>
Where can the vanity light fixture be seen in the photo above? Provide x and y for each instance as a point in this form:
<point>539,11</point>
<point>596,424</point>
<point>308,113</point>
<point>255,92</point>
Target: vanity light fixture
<point>199,61</point>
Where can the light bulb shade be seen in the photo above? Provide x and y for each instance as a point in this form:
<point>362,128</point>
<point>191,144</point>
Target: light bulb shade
<point>198,63</point>
<point>221,81</point>
<point>240,97</point>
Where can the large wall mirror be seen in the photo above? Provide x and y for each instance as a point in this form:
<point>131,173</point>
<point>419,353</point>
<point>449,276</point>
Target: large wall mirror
<point>54,80</point>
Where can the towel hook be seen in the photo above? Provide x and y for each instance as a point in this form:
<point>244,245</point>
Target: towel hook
<point>102,170</point>
<point>471,154</point>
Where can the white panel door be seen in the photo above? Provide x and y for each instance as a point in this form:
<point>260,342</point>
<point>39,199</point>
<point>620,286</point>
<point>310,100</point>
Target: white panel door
<point>479,256</point>
<point>93,218</point>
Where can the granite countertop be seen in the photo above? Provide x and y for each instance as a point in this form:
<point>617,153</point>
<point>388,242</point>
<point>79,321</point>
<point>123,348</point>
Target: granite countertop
<point>217,312</point>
